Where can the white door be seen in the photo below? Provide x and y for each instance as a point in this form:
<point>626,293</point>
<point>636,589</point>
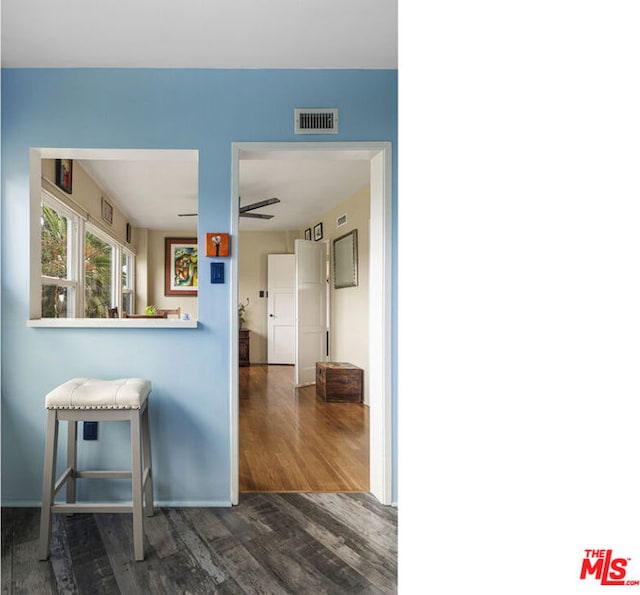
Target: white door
<point>311,309</point>
<point>281,286</point>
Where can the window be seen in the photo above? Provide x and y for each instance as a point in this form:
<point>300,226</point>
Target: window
<point>128,269</point>
<point>58,237</point>
<point>98,274</point>
<point>84,271</point>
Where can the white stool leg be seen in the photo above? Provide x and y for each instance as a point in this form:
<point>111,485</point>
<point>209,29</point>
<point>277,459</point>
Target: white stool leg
<point>136,485</point>
<point>72,449</point>
<point>146,457</point>
<point>48,483</point>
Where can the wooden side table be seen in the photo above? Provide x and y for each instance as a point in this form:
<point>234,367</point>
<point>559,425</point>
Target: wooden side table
<point>339,381</point>
<point>243,347</point>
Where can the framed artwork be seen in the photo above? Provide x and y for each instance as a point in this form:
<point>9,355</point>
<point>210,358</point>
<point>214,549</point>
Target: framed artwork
<point>217,244</point>
<point>64,174</point>
<point>128,233</point>
<point>317,232</point>
<point>307,233</point>
<point>181,266</point>
<point>107,211</point>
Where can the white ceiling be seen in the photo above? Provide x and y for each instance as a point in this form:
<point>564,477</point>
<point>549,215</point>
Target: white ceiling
<point>210,34</point>
<point>200,33</point>
<point>306,187</point>
<point>153,193</point>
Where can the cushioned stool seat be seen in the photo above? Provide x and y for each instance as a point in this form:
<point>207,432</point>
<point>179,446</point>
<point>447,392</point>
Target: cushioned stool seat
<point>90,393</point>
<point>91,399</point>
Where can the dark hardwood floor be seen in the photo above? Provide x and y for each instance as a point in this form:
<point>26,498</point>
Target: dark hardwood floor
<point>269,543</point>
<point>291,441</point>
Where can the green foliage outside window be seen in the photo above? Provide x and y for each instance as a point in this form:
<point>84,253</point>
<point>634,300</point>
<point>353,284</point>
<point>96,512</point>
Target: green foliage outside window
<point>97,276</point>
<point>53,235</point>
<point>98,267</point>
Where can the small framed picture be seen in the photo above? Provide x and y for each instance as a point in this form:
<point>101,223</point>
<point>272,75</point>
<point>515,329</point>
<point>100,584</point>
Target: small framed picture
<point>64,174</point>
<point>107,211</point>
<point>317,232</point>
<point>128,233</point>
<point>307,233</point>
<point>217,244</point>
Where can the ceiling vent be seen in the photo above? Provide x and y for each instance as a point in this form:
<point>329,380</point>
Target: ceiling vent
<point>316,120</point>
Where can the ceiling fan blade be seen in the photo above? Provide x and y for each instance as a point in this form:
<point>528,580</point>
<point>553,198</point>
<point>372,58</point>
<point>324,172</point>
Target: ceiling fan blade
<point>257,205</point>
<point>256,215</point>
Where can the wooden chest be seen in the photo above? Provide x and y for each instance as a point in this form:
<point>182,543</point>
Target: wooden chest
<point>243,347</point>
<point>339,381</point>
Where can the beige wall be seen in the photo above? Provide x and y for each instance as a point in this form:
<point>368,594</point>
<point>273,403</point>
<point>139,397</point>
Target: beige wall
<point>350,305</point>
<point>86,194</point>
<point>252,277</point>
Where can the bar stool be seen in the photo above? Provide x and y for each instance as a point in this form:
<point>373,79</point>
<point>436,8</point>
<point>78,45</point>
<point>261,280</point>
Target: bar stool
<point>90,399</point>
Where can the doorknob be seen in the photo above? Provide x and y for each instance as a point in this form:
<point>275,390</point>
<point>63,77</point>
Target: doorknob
<point>271,316</point>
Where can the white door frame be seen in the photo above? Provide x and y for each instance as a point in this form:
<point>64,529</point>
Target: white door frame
<point>379,154</point>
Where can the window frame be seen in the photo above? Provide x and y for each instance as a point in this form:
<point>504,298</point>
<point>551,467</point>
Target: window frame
<point>128,288</point>
<point>74,263</point>
<point>35,320</point>
<point>78,228</point>
<point>94,230</point>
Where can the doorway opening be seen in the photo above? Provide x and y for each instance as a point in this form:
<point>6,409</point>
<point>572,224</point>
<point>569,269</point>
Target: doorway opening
<point>378,156</point>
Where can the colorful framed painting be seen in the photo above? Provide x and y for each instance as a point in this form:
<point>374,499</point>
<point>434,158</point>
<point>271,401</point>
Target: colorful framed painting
<point>217,244</point>
<point>64,174</point>
<point>181,266</point>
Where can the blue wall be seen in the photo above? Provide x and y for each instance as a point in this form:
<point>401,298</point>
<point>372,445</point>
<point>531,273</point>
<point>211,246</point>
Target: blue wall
<point>205,110</point>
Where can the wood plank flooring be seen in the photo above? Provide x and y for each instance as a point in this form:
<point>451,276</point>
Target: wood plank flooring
<point>269,543</point>
<point>292,441</point>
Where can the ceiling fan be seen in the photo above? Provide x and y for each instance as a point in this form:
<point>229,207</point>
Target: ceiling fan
<point>244,211</point>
